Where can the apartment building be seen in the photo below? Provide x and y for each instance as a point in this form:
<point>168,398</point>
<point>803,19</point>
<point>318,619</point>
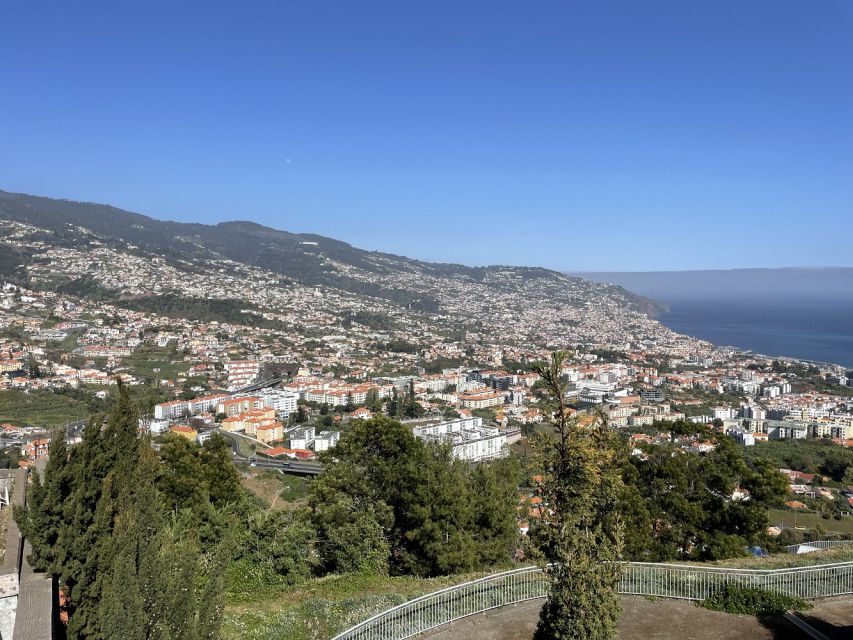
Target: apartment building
<point>236,406</point>
<point>242,373</point>
<point>325,440</point>
<point>301,437</point>
<point>470,440</point>
<point>270,433</point>
<point>482,399</point>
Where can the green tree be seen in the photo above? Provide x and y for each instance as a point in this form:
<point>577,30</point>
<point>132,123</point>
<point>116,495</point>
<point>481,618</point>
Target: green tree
<point>182,478</point>
<point>494,490</point>
<point>373,401</point>
<point>847,479</point>
<point>388,500</point>
<point>99,523</point>
<point>579,535</point>
<point>220,474</point>
<point>300,417</point>
<point>438,522</point>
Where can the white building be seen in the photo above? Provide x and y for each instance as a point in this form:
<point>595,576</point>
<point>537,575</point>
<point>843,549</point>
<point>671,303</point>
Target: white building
<point>301,437</point>
<point>242,373</point>
<point>471,441</point>
<point>283,402</point>
<point>325,440</point>
<point>724,413</point>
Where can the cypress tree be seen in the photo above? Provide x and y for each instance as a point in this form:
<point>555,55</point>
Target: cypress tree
<point>579,535</point>
<point>121,609</point>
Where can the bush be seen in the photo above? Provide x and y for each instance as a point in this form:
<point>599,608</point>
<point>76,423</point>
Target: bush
<point>752,601</point>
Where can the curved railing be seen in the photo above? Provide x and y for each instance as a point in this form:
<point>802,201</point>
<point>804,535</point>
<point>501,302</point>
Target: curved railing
<point>688,582</point>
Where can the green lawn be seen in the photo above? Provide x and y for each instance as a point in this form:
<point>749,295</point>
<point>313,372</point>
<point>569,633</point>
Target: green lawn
<point>145,358</point>
<point>40,408</point>
<point>791,519</point>
<point>245,446</point>
<point>316,609</point>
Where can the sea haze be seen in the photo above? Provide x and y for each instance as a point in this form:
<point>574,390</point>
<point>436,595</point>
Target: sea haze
<point>815,329</point>
<point>801,313</point>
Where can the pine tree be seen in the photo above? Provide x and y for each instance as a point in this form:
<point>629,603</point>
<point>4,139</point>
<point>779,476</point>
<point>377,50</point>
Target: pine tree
<point>438,518</point>
<point>579,535</point>
<point>41,519</point>
<point>494,487</point>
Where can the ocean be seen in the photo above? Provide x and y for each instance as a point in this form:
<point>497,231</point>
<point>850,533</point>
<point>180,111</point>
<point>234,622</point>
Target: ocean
<point>819,329</point>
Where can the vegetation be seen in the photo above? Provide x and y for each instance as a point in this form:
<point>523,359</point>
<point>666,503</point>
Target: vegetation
<point>149,362</point>
<point>387,502</point>
<point>138,542</point>
<point>752,601</point>
<point>579,533</point>
<point>40,408</point>
<point>405,406</point>
<point>202,309</point>
<point>278,490</point>
<point>813,521</point>
<point>679,504</point>
<point>810,456</point>
<point>319,609</point>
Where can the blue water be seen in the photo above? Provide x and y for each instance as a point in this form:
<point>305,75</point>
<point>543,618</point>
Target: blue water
<point>810,329</point>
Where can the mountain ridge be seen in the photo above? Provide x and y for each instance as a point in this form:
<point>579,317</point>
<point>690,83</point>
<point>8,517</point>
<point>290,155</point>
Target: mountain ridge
<point>310,259</point>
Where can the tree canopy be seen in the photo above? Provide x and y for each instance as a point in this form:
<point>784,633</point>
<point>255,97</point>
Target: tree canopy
<point>389,502</point>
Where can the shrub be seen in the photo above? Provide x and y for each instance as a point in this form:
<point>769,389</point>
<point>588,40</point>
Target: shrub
<point>752,601</point>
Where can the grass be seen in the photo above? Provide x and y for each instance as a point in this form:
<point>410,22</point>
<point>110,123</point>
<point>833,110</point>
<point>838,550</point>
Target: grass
<point>244,445</point>
<point>791,519</point>
<point>145,358</point>
<point>318,609</point>
<point>295,488</point>
<point>5,517</point>
<point>261,607</point>
<point>40,408</point>
<point>70,341</point>
<point>784,560</point>
<point>279,490</point>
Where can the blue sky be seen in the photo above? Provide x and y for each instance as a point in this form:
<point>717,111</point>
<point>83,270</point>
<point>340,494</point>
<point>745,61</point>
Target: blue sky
<point>594,135</point>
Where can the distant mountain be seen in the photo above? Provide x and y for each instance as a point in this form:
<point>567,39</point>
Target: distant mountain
<point>668,286</point>
<point>307,259</point>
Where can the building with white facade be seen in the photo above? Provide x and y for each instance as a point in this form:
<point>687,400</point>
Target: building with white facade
<point>242,373</point>
<point>325,440</point>
<point>301,437</point>
<point>283,402</point>
<point>471,441</point>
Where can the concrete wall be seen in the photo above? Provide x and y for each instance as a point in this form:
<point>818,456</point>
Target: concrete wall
<point>27,599</point>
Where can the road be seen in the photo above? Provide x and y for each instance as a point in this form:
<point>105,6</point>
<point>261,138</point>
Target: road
<point>296,467</point>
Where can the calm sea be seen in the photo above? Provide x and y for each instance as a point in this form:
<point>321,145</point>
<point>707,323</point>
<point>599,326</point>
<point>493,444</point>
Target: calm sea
<point>810,329</point>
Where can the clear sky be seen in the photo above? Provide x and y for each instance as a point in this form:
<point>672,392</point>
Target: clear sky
<point>598,135</point>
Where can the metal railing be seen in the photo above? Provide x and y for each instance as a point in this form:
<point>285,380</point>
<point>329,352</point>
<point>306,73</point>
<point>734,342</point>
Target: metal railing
<point>687,582</point>
<point>818,545</point>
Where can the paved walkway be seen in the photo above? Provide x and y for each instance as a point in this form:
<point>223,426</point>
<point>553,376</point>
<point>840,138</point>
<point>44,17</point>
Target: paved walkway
<point>641,619</point>
<point>832,617</point>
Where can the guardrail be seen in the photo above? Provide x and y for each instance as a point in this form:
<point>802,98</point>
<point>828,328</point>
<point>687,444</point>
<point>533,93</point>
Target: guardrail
<point>686,582</point>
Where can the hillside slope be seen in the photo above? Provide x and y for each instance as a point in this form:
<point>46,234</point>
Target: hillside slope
<point>309,259</point>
